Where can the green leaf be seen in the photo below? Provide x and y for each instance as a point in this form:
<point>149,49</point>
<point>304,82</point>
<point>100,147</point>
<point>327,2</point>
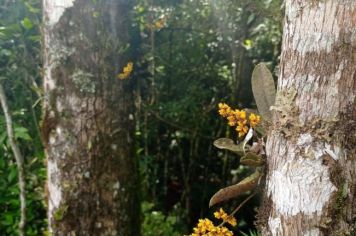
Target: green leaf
<point>250,233</point>
<point>27,23</point>
<point>5,52</point>
<point>12,175</point>
<point>247,44</point>
<point>263,90</point>
<point>233,191</point>
<point>22,133</point>
<point>31,8</point>
<point>35,38</point>
<point>9,219</point>
<point>3,137</point>
<point>251,18</point>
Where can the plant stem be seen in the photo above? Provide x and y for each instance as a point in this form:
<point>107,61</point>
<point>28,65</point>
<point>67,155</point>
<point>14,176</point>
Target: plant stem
<point>18,158</point>
<point>239,207</point>
<point>243,203</point>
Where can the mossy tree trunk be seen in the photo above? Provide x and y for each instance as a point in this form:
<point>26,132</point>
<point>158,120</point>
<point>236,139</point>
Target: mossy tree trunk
<point>87,124</point>
<point>311,173</point>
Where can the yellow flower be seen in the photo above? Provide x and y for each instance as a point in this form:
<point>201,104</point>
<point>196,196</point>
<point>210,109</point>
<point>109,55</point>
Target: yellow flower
<point>241,128</point>
<point>224,109</point>
<point>221,214</point>
<point>225,232</point>
<point>126,72</point>
<point>220,231</point>
<point>237,118</point>
<point>254,120</point>
<point>128,68</point>
<point>121,76</point>
<point>205,227</point>
<point>232,120</point>
<point>231,220</point>
<point>241,114</point>
<point>159,24</point>
<point>197,230</point>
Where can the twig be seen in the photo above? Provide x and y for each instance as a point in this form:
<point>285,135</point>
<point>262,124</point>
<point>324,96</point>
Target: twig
<point>18,158</point>
<point>243,203</point>
<point>239,207</point>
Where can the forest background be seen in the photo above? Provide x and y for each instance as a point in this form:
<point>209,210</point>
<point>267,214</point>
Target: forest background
<point>189,56</point>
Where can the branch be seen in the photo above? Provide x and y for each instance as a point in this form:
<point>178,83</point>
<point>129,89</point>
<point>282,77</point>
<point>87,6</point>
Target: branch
<point>18,158</point>
<point>239,207</point>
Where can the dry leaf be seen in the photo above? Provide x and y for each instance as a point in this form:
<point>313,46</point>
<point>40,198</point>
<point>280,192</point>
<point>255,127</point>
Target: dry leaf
<point>263,90</point>
<point>229,144</point>
<point>232,191</point>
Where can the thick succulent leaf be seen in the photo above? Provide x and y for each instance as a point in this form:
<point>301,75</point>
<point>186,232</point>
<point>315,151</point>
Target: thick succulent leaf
<point>263,90</point>
<point>229,144</point>
<point>252,159</point>
<point>232,191</point>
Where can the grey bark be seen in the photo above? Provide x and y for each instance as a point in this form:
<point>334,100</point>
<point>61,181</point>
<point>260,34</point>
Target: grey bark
<point>311,172</point>
<point>87,125</point>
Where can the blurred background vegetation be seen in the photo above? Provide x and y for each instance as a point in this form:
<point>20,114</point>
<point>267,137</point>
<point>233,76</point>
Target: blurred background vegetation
<point>189,56</point>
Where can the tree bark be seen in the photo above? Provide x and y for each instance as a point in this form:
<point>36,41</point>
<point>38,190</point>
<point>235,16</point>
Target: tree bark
<point>311,172</point>
<point>88,123</point>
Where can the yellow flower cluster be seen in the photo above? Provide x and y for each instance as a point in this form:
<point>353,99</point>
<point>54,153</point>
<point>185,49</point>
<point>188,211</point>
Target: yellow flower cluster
<point>254,120</point>
<point>160,23</point>
<point>221,214</point>
<point>206,227</point>
<point>126,72</point>
<point>224,110</point>
<point>238,118</point>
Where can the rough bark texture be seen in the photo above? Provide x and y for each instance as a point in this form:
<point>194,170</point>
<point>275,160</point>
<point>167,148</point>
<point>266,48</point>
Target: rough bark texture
<point>311,173</point>
<point>87,123</point>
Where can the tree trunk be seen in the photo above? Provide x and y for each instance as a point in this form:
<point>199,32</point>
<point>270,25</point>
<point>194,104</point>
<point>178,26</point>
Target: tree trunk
<point>311,172</point>
<point>87,124</point>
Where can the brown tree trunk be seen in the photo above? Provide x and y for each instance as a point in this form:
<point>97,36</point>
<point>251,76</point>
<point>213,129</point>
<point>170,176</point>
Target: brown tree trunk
<point>87,124</point>
<point>311,173</point>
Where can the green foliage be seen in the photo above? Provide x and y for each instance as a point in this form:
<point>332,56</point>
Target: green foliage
<point>155,223</point>
<point>250,233</point>
<point>204,54</point>
<point>9,190</point>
